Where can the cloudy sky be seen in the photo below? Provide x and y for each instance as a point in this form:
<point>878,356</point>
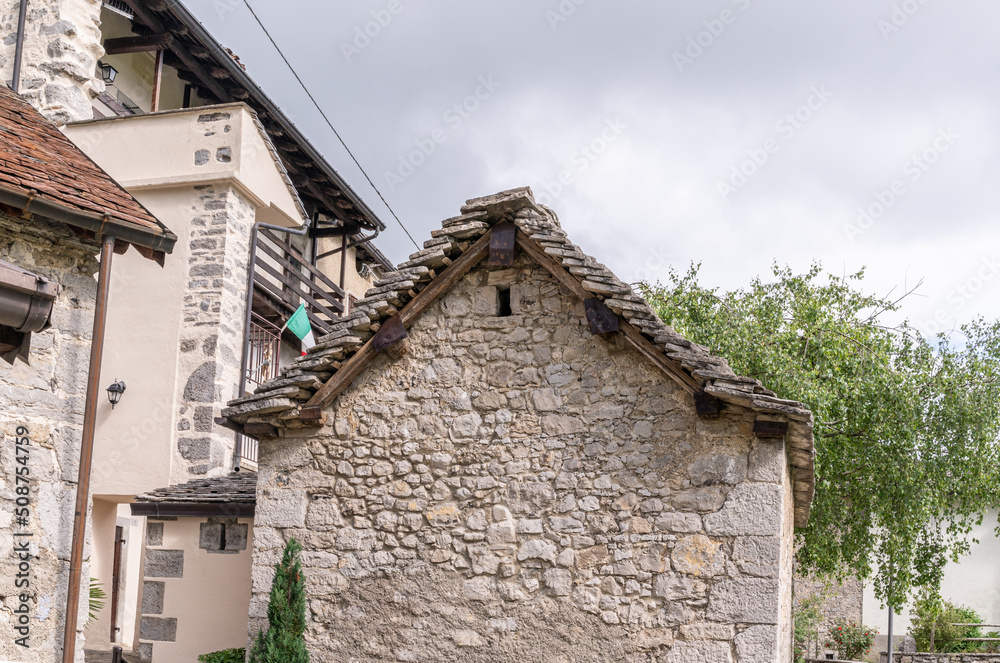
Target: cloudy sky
<point>861,133</point>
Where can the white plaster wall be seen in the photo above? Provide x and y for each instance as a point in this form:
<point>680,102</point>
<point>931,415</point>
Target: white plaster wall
<point>974,581</point>
<point>210,602</point>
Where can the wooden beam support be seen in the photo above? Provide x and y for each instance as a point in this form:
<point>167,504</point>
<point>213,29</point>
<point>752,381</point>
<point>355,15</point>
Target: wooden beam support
<point>190,61</point>
<point>602,320</point>
<point>764,428</point>
<point>260,431</point>
<point>706,405</point>
<point>391,332</point>
<point>426,298</point>
<point>631,335</point>
<point>143,44</point>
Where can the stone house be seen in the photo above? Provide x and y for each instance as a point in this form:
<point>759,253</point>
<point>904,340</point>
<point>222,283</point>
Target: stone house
<point>55,205</point>
<point>504,455</point>
<point>263,223</point>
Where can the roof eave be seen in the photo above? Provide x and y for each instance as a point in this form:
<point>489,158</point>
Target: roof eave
<point>99,224</point>
<point>244,79</point>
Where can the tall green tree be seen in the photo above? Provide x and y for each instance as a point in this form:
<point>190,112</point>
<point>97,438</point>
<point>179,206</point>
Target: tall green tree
<point>283,641</point>
<point>906,428</point>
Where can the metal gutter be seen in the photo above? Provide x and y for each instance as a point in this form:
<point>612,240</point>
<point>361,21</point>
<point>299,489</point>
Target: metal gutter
<point>195,509</point>
<point>242,78</point>
<point>99,224</point>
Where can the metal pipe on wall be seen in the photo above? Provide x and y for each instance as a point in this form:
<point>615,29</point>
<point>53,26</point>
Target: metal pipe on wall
<point>15,79</point>
<point>87,449</point>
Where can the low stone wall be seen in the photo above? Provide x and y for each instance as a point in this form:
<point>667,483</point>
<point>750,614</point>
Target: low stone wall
<point>925,657</point>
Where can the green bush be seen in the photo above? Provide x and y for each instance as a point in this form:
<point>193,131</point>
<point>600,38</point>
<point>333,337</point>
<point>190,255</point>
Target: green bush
<point>933,617</point>
<point>224,656</point>
<point>806,618</point>
<point>851,640</point>
<point>283,642</point>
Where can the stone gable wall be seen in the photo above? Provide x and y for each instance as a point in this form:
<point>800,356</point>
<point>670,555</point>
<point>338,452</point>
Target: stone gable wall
<point>515,489</point>
<point>45,397</point>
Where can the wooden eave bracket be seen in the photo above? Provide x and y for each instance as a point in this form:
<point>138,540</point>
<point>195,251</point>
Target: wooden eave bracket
<point>311,414</point>
<point>630,334</point>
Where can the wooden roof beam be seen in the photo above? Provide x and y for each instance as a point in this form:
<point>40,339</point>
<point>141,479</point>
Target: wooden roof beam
<point>189,60</point>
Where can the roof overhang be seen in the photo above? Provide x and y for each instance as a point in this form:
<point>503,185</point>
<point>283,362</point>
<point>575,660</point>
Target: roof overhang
<point>192,509</point>
<point>152,244</point>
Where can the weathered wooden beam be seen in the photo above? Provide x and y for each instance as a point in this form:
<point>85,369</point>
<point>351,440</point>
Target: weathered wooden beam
<point>391,332</point>
<point>764,428</point>
<point>602,320</point>
<point>142,44</point>
<point>503,246</point>
<point>706,405</point>
<point>426,298</point>
<point>190,61</point>
<point>631,335</point>
<point>260,431</point>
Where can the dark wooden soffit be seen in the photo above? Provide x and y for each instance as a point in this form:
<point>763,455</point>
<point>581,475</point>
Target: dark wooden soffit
<point>193,509</point>
<point>141,44</point>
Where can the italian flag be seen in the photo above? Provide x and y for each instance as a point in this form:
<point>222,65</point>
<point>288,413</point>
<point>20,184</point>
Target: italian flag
<point>299,325</point>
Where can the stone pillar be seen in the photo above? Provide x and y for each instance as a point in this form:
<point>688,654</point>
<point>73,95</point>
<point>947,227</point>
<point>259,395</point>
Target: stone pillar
<point>212,328</point>
<point>62,45</point>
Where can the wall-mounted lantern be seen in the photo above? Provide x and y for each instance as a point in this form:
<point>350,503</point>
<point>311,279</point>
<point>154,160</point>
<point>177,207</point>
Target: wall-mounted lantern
<point>115,392</point>
<point>108,72</point>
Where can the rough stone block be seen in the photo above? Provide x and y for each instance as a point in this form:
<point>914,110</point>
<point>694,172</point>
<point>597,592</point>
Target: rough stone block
<point>152,597</point>
<point>750,509</point>
<point>154,534</point>
<point>758,555</point>
<point>718,468</point>
<point>767,461</point>
<point>164,564</point>
<point>747,600</point>
<point>281,508</point>
<point>703,652</point>
<point>159,629</point>
<point>757,644</point>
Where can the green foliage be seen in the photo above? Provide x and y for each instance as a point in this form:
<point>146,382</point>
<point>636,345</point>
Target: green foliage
<point>98,599</point>
<point>906,431</point>
<point>932,616</point>
<point>851,640</point>
<point>283,642</point>
<point>224,656</point>
<point>806,618</point>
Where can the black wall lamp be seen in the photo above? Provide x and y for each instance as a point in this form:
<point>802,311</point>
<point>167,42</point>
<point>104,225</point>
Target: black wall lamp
<point>115,392</point>
<point>108,72</point>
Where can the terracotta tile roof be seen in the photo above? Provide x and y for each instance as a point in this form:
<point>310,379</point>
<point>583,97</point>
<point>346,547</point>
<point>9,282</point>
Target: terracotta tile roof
<point>35,155</point>
<point>280,401</point>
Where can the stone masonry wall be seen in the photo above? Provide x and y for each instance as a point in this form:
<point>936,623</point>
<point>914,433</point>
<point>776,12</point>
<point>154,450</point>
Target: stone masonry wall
<point>515,489</point>
<point>61,49</point>
<point>840,601</point>
<point>212,328</point>
<point>43,401</point>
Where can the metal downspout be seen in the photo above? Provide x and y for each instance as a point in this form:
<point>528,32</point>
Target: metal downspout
<point>87,449</point>
<point>15,80</point>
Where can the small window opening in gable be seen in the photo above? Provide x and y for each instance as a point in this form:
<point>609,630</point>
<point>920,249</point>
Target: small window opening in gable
<point>503,302</point>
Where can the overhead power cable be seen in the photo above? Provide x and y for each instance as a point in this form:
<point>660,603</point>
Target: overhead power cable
<point>328,122</point>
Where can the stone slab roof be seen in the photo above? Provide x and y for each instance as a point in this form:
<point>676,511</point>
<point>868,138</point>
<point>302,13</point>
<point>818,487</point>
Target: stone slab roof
<point>281,401</point>
<point>41,164</point>
<point>236,488</point>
